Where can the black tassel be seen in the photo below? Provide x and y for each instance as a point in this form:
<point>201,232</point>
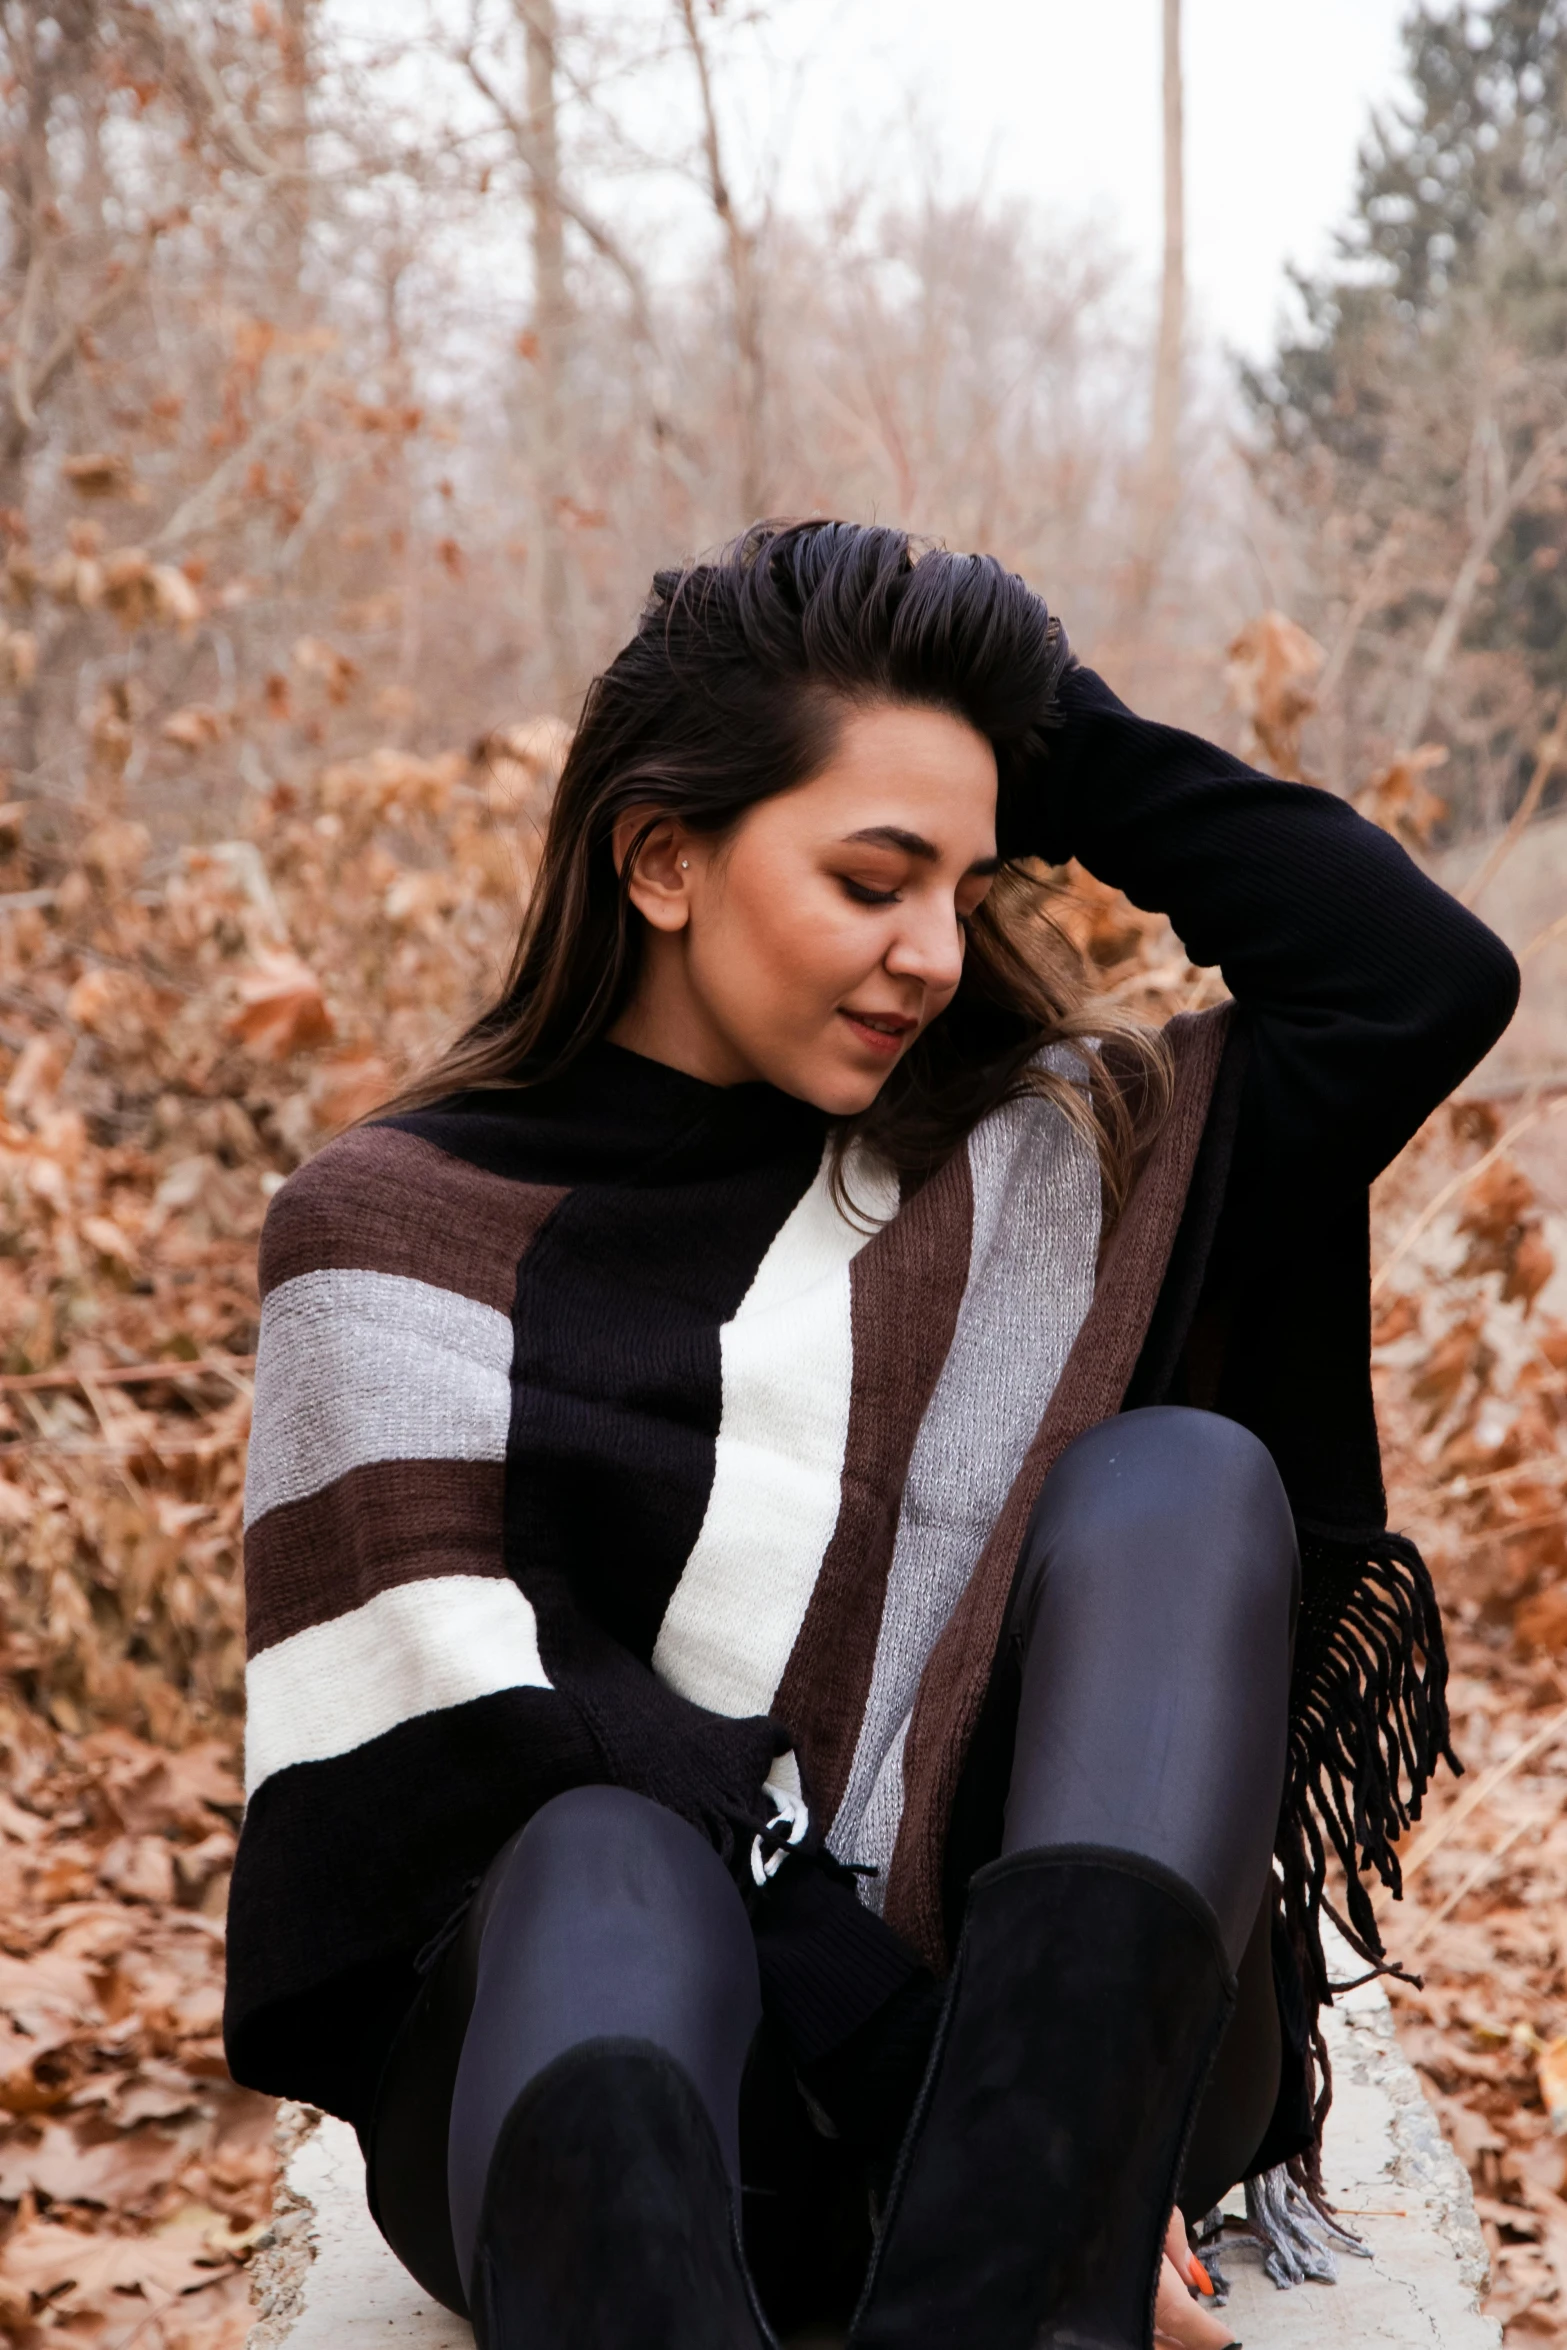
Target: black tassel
<point>1368,1726</point>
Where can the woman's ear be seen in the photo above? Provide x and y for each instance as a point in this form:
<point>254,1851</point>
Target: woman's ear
<point>660,884</point>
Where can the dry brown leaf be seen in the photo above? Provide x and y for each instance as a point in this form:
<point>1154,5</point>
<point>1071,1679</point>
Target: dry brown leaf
<point>70,2268</point>
<point>68,2164</point>
<point>1542,1621</point>
<point>174,597</point>
<point>19,651</point>
<point>282,1010</point>
<point>1531,1266</point>
<point>139,1868</point>
<point>17,1508</point>
<point>1461,1353</point>
<point>98,474</point>
<point>348,1088</point>
<point>1271,668</point>
<point>30,2080</point>
<point>1398,1318</point>
<point>34,1081</point>
<point>104,1235</point>
<point>116,850</point>
<point>194,727</point>
<point>128,588</point>
<point>1399,799</point>
<point>314,657</point>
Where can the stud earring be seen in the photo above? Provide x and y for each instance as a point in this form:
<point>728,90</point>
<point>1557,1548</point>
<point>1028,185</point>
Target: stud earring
<point>685,864</point>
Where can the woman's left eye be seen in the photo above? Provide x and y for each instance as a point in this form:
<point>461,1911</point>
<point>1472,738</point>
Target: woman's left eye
<point>863,895</point>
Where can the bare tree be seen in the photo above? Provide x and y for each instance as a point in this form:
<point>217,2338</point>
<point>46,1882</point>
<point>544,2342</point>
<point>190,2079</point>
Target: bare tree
<point>291,148</point>
<point>551,328</point>
<point>741,258</point>
<point>1160,488</point>
<point>51,65</point>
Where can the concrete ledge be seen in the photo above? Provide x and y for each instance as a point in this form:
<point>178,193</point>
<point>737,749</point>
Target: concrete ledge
<point>326,2281</point>
<point>1400,2186</point>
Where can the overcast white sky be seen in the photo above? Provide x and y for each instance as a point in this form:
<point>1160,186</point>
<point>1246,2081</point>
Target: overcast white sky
<point>1062,98</point>
<point>1057,100</point>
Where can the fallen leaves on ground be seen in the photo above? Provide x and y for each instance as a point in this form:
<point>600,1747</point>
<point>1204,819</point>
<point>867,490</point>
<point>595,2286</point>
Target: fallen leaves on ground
<point>135,2176</point>
<point>173,1039</point>
<point>1471,1366</point>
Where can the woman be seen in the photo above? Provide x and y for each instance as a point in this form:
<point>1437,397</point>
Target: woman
<point>814,1520</point>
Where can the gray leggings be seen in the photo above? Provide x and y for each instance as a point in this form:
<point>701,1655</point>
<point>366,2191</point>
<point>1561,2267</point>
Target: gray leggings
<point>1151,1622</point>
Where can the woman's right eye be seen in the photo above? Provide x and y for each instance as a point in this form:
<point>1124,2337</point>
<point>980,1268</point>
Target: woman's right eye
<point>864,895</point>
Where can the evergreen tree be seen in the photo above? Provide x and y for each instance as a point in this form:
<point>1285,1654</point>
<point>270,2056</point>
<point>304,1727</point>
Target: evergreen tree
<point>1431,366</point>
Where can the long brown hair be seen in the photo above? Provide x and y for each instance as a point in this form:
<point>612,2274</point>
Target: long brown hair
<point>731,691</point>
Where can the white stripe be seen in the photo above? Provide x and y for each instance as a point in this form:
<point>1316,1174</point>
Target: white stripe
<point>412,1650</point>
<point>1035,1238</point>
<point>788,1365</point>
<point>355,1367</point>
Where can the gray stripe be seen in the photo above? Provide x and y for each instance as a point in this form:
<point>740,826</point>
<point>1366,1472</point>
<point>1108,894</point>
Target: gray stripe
<point>883,1816</point>
<point>1031,1278</point>
<point>354,1367</point>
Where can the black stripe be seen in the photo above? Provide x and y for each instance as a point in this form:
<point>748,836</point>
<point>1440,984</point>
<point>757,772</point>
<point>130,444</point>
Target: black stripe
<point>617,1386</point>
<point>346,1868</point>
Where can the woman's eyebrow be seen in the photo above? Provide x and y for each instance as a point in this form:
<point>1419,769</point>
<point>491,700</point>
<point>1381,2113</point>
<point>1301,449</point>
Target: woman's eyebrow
<point>914,844</point>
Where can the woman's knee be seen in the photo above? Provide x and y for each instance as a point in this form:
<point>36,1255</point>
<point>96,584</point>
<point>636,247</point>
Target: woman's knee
<point>1189,1496</point>
<point>599,1819</point>
<point>602,1850</point>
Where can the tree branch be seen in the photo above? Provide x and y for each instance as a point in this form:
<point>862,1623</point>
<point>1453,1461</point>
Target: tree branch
<point>604,243</point>
<point>740,247</point>
<point>21,387</point>
<point>200,508</point>
<point>1444,637</point>
<point>228,124</point>
<point>30,386</point>
<point>1550,756</point>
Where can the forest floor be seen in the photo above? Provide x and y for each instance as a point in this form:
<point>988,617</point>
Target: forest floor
<point>1472,1394</point>
<point>173,1037</point>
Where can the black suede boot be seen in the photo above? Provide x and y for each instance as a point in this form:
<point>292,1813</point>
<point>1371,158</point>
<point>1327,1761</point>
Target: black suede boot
<point>609,2217</point>
<point>1038,2174</point>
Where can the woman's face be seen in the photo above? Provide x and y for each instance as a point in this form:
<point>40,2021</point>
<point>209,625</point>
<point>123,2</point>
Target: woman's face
<point>812,944</point>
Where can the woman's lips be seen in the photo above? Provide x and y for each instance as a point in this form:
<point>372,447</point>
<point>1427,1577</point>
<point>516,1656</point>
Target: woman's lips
<point>883,1032</point>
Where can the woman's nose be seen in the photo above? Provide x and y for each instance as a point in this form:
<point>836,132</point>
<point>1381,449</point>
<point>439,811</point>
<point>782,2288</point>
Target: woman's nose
<point>929,949</point>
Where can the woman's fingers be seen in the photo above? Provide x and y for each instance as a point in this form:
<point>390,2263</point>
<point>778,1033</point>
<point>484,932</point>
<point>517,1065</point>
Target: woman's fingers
<point>1180,2323</point>
<point>1178,2249</point>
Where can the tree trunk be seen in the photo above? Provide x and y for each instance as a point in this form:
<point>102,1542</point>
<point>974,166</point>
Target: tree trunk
<point>1160,489</point>
<point>744,289</point>
<point>291,147</point>
<point>551,325</point>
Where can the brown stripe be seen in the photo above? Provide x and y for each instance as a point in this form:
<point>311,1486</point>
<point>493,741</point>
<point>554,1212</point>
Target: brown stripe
<point>1090,1389</point>
<point>905,1288</point>
<point>389,1522</point>
<point>382,1201</point>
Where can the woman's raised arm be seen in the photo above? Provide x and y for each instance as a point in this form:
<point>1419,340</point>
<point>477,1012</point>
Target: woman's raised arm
<point>1369,991</point>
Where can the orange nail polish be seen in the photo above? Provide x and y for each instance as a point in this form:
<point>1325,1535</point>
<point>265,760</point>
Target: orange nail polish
<point>1200,2276</point>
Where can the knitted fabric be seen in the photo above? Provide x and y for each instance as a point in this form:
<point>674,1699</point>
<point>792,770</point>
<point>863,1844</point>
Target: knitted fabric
<point>592,1442</point>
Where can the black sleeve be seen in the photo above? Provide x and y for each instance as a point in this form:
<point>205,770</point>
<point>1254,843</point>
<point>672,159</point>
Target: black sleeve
<point>1367,990</point>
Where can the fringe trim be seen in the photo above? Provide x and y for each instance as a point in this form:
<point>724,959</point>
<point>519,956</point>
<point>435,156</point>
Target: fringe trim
<point>1368,1726</point>
<point>1297,2234</point>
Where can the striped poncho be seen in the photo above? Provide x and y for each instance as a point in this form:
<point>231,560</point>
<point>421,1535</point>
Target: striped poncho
<point>593,1441</point>
<point>599,1436</point>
